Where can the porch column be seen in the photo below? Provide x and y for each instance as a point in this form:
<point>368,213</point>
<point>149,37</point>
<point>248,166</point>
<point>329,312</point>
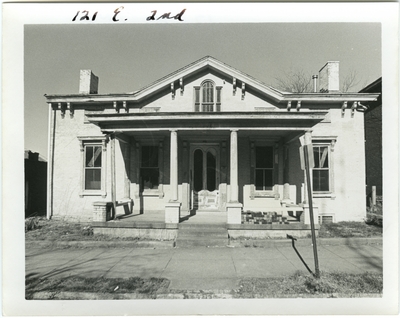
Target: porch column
<point>234,208</point>
<point>173,207</point>
<point>174,165</point>
<point>234,167</point>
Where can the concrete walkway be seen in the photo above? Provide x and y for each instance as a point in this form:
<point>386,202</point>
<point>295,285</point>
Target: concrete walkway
<point>199,268</point>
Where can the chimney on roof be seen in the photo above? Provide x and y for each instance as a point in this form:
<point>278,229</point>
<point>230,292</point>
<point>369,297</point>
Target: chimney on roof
<point>33,156</point>
<point>329,77</point>
<point>315,79</point>
<point>88,82</point>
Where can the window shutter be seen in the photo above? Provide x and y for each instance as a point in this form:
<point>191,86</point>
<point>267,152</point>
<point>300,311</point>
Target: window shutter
<point>197,98</point>
<point>219,90</point>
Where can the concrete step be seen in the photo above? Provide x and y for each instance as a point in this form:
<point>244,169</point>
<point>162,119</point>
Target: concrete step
<point>202,235</point>
<point>189,234</point>
<point>208,211</point>
<point>202,226</point>
<point>201,242</point>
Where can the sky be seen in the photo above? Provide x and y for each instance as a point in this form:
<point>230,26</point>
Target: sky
<point>129,56</point>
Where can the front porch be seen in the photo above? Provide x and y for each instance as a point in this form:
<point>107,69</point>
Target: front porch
<point>151,225</point>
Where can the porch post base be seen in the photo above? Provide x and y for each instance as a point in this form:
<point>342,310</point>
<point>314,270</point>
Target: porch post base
<point>172,212</point>
<point>234,211</point>
<point>305,216</point>
<point>102,211</point>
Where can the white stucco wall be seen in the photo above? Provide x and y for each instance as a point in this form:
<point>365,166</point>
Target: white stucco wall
<point>349,166</point>
<point>68,165</point>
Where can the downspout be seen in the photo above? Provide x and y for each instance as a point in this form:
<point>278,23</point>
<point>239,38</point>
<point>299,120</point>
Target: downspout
<point>50,162</point>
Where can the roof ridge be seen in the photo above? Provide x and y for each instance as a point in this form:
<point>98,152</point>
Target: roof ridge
<point>174,72</point>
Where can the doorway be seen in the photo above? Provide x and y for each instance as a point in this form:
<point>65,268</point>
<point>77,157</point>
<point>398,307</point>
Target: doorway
<point>205,177</point>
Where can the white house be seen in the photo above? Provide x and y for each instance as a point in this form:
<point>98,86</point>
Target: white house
<point>207,138</point>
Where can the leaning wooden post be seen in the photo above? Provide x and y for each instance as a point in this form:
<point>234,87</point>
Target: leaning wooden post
<point>113,187</point>
<point>310,205</point>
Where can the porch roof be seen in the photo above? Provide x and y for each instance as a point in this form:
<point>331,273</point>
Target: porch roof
<point>272,120</point>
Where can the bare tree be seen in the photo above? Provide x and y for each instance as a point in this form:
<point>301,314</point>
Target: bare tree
<point>350,81</point>
<point>295,81</point>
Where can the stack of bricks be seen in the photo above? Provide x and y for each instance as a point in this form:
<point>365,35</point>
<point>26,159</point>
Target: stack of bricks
<point>263,218</point>
<point>101,211</point>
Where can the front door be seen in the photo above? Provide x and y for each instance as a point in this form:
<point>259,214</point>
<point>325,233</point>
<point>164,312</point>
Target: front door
<point>205,177</point>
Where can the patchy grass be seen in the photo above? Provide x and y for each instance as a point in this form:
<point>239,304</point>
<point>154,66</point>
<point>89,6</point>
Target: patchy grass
<point>329,283</point>
<point>57,230</point>
<point>298,284</point>
<point>349,229</point>
<point>149,286</point>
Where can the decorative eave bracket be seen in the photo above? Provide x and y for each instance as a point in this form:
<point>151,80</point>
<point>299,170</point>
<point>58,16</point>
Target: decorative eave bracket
<point>298,105</point>
<point>234,86</point>
<point>125,106</point>
<point>289,105</point>
<point>243,90</point>
<point>181,85</point>
<point>353,108</point>
<point>61,107</point>
<point>344,105</point>
<point>172,90</point>
<point>70,107</point>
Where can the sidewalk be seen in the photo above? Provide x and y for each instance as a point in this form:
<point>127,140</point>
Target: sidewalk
<point>200,268</point>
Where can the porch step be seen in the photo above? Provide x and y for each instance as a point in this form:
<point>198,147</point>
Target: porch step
<point>204,235</point>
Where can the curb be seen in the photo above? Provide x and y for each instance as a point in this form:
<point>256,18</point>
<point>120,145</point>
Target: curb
<point>43,295</point>
<point>351,241</point>
<point>102,244</point>
<point>268,243</point>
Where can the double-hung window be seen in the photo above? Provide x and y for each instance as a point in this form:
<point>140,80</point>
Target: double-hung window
<point>93,167</point>
<point>149,169</point>
<point>322,172</point>
<point>264,168</point>
<point>93,158</point>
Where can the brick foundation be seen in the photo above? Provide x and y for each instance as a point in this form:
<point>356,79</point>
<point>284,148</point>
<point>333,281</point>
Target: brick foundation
<point>101,211</point>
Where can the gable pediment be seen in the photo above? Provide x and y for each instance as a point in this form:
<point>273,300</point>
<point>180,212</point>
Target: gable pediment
<point>180,78</point>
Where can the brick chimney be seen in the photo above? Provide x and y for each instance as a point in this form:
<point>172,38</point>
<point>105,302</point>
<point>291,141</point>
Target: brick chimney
<point>33,156</point>
<point>88,82</point>
<point>329,77</point>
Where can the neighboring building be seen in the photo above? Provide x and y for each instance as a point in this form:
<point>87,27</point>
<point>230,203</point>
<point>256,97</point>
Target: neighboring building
<point>207,137</point>
<point>35,184</point>
<point>373,139</point>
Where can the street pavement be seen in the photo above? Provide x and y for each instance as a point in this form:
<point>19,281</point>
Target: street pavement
<point>199,268</point>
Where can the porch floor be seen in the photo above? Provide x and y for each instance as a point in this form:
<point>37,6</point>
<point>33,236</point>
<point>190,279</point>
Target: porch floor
<point>147,217</point>
<point>159,217</point>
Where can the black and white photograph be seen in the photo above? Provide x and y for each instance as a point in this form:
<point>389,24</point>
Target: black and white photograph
<point>210,158</point>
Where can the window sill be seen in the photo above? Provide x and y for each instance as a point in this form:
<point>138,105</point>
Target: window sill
<point>93,193</point>
<point>264,194</point>
<point>151,193</point>
<point>324,195</point>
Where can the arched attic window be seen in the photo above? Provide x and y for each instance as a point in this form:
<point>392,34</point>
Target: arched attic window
<point>207,97</point>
